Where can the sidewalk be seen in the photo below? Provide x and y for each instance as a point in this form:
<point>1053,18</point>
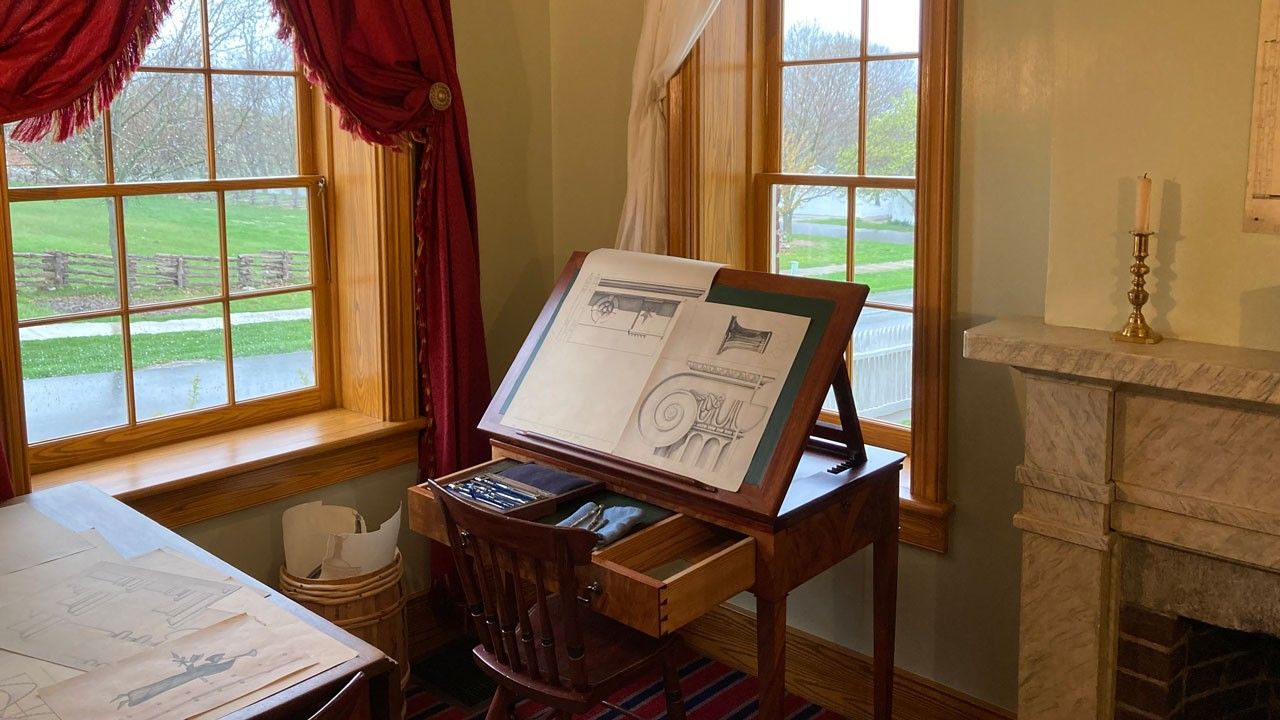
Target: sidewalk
<point>156,327</point>
<point>857,269</point>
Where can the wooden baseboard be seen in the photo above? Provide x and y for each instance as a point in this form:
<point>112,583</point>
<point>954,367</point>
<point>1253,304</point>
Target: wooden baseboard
<point>829,675</point>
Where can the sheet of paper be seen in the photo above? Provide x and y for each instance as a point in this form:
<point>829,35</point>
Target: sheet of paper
<point>24,582</point>
<point>176,562</point>
<point>30,538</point>
<point>602,345</point>
<point>324,650</point>
<point>306,531</point>
<point>190,675</point>
<point>20,677</point>
<point>705,406</point>
<point>349,554</point>
<point>108,612</point>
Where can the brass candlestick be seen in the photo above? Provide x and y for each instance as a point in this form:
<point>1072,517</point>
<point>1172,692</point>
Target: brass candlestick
<point>1137,330</point>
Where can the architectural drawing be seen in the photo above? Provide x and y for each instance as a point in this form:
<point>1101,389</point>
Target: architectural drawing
<point>205,670</point>
<point>107,612</point>
<point>608,333</point>
<point>737,337</point>
<point>705,407</point>
<point>196,667</point>
<point>1262,201</point>
<point>694,418</point>
<point>19,701</point>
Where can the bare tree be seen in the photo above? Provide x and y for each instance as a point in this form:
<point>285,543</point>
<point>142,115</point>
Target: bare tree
<point>820,110</point>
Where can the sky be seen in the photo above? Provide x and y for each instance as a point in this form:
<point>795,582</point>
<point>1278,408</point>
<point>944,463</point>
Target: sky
<point>892,23</point>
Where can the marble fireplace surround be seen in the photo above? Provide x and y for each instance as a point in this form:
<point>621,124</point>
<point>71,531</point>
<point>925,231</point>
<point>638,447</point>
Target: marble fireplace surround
<point>1151,474</point>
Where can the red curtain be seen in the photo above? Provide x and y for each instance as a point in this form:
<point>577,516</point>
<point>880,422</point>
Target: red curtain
<point>63,61</point>
<point>390,69</point>
<point>6,480</point>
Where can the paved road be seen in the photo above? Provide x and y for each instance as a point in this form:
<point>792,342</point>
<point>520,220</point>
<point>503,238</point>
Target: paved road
<point>61,406</point>
<point>895,237</point>
<point>156,327</point>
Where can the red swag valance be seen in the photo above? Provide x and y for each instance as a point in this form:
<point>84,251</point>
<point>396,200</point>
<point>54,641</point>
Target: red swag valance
<point>63,61</point>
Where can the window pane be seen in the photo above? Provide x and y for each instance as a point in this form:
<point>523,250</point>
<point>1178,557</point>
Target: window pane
<point>242,35</point>
<point>820,118</point>
<point>892,90</point>
<point>255,126</point>
<point>268,245</point>
<point>172,242</point>
<point>893,27</point>
<point>79,160</point>
<point>272,344</point>
<point>178,44</point>
<point>73,378</point>
<point>816,29</point>
<point>882,344</point>
<point>811,231</point>
<point>64,256</point>
<point>884,244</point>
<point>158,129</point>
<point>179,360</point>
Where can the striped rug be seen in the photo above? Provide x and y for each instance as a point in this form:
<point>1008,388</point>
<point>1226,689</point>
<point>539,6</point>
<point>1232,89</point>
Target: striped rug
<point>711,692</point>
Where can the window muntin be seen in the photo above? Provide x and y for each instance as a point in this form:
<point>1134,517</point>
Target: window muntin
<point>844,201</point>
<point>165,259</point>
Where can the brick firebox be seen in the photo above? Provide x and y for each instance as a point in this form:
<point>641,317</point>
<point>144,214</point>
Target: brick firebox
<point>1174,668</point>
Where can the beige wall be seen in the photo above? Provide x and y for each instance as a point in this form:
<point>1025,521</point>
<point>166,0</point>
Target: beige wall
<point>1167,88</point>
<point>958,620</point>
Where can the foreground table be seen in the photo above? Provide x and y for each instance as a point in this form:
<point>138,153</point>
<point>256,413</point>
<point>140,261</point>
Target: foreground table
<point>80,507</point>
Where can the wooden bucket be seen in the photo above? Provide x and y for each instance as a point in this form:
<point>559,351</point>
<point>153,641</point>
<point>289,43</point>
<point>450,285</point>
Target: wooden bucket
<point>369,606</point>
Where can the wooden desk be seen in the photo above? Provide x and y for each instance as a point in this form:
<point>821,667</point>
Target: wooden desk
<point>80,507</point>
<point>825,518</point>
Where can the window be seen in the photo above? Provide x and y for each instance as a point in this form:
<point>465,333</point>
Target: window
<point>813,137</point>
<point>169,263</point>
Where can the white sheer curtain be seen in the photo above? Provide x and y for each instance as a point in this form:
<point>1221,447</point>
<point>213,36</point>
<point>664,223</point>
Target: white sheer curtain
<point>671,27</point>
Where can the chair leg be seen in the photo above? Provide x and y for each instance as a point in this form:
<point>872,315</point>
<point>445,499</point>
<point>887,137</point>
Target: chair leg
<point>500,707</point>
<point>671,677</point>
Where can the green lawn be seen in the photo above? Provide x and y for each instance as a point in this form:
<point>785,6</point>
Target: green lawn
<point>819,251</point>
<point>880,281</point>
<point>77,356</point>
<point>175,225</point>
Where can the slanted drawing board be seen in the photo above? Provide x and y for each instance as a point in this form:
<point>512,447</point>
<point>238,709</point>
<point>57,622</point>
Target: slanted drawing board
<point>831,309</point>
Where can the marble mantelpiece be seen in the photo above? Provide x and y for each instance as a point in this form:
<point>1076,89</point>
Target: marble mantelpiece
<point>1175,445</point>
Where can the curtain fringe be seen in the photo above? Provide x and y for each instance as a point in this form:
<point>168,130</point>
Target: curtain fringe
<point>84,110</point>
<point>346,120</point>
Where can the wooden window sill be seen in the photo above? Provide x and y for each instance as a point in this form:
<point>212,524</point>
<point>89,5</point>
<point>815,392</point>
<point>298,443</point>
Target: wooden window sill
<point>923,523</point>
<point>199,479</point>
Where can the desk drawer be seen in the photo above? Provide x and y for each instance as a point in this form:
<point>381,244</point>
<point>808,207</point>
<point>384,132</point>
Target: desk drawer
<point>655,580</point>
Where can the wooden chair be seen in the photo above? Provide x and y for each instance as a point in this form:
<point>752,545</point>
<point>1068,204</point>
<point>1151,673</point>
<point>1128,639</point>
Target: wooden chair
<point>547,647</point>
<point>343,705</point>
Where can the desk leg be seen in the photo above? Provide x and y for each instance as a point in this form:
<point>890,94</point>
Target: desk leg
<point>771,654</point>
<point>885,581</point>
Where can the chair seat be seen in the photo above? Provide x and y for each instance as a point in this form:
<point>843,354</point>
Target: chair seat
<point>615,654</point>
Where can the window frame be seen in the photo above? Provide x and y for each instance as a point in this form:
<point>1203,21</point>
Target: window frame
<point>141,434</point>
<point>192,469</point>
<point>701,182</point>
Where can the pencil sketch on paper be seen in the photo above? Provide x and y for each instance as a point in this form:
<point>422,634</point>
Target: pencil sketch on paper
<point>628,315</point>
<point>192,669</point>
<point>207,669</point>
<point>19,701</point>
<point>107,612</point>
<point>695,418</point>
<point>737,337</point>
<point>704,409</point>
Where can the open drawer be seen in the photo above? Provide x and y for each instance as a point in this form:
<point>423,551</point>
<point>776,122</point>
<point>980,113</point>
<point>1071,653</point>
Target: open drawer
<point>655,580</point>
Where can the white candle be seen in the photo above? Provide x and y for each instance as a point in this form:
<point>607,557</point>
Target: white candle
<point>1142,212</point>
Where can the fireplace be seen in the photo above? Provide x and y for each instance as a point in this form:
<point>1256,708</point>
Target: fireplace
<point>1150,525</point>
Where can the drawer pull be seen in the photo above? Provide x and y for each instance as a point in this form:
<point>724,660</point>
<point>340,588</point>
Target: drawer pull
<point>593,588</point>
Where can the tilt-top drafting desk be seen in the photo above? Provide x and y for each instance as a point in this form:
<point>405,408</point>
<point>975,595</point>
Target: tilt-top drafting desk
<point>807,503</point>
